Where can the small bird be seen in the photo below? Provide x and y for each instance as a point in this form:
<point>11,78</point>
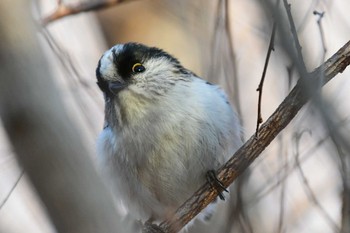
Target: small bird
<point>165,129</point>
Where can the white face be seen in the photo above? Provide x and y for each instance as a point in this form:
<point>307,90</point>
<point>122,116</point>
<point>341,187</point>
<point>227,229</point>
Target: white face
<point>107,67</point>
<point>137,68</point>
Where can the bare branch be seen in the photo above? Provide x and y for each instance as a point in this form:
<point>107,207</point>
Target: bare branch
<point>287,110</point>
<point>63,10</point>
<point>261,84</point>
<point>300,60</point>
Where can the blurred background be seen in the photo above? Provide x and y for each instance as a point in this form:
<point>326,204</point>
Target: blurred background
<point>301,181</point>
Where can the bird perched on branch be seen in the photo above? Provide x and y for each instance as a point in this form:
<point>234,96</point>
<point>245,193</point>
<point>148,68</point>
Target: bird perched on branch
<point>166,130</point>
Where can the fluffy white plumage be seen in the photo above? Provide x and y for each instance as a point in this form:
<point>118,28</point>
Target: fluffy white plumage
<point>165,128</point>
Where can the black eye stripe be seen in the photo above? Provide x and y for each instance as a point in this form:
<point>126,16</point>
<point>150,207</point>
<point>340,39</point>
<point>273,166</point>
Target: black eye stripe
<point>125,60</point>
<point>126,56</point>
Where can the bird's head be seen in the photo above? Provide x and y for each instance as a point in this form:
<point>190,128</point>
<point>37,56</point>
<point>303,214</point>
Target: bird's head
<point>132,67</point>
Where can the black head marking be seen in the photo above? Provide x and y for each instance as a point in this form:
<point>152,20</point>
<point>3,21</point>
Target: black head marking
<point>133,53</point>
<point>126,58</point>
<point>130,54</point>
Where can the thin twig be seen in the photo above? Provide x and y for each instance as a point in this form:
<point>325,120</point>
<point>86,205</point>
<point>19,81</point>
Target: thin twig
<point>345,175</point>
<point>237,214</point>
<point>236,90</point>
<point>11,190</point>
<point>309,192</point>
<point>300,60</point>
<point>287,168</point>
<point>63,10</point>
<point>75,78</point>
<point>261,84</point>
<point>259,119</point>
<point>287,110</point>
<point>282,210</point>
<point>323,40</point>
<point>214,42</point>
<point>282,174</point>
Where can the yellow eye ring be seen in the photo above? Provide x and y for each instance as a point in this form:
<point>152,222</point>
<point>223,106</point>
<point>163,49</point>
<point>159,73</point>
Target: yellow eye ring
<point>138,68</point>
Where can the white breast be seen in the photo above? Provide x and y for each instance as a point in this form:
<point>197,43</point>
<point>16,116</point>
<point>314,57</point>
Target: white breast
<point>157,163</point>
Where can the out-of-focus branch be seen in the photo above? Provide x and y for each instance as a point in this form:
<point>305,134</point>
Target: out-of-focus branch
<point>63,10</point>
<point>306,186</point>
<point>301,93</point>
<point>320,28</point>
<point>46,142</point>
<point>11,190</point>
<point>300,60</point>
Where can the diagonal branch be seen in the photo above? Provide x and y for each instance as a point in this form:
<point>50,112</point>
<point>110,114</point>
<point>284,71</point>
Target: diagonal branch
<point>301,93</point>
<point>63,10</point>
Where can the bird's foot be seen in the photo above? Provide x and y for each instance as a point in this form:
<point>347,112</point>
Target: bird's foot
<point>150,227</point>
<point>216,183</point>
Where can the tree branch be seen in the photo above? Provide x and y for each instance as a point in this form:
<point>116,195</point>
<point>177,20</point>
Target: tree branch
<point>301,93</point>
<point>63,10</point>
<point>259,119</point>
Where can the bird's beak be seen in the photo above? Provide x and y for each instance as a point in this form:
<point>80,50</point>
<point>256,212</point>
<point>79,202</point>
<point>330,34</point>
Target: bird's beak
<point>116,86</point>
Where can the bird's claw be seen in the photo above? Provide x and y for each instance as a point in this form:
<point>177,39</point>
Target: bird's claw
<point>150,227</point>
<point>216,183</point>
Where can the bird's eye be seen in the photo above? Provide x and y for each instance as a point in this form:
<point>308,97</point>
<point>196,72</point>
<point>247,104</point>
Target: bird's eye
<point>138,68</point>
